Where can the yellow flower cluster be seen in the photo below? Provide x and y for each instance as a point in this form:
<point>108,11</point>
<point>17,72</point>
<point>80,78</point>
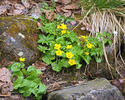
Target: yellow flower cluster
<point>57,47</point>
<point>84,37</point>
<point>63,27</point>
<point>59,52</point>
<point>89,45</point>
<point>72,62</point>
<point>69,46</point>
<point>86,53</point>
<point>69,54</point>
<point>63,31</point>
<point>22,59</point>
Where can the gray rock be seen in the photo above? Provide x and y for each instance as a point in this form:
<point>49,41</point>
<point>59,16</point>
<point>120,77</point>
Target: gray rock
<point>18,38</point>
<point>98,89</point>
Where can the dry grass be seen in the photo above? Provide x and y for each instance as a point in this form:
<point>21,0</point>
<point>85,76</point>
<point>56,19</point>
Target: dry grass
<point>108,20</point>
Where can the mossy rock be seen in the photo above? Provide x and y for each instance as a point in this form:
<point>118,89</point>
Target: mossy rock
<point>18,38</point>
<point>98,89</point>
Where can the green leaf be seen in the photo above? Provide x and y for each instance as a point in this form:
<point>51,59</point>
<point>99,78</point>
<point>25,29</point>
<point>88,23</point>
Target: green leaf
<point>110,42</point>
<point>24,71</point>
<point>18,74</point>
<point>27,91</point>
<point>78,66</point>
<point>49,28</point>
<point>65,63</point>
<point>31,68</point>
<point>73,37</point>
<point>38,71</point>
<point>17,66</point>
<point>18,83</point>
<point>42,38</point>
<point>47,58</point>
<point>42,89</point>
<point>28,83</point>
<point>98,60</point>
<point>42,48</point>
<point>56,67</point>
<point>87,59</point>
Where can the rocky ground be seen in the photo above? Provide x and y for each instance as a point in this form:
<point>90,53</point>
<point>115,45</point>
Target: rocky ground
<point>20,35</point>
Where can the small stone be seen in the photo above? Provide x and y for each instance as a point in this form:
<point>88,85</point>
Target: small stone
<point>20,54</point>
<point>20,34</point>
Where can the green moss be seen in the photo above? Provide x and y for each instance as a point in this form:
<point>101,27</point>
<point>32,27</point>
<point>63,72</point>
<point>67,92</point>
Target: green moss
<point>21,24</point>
<point>78,29</point>
<point>80,32</point>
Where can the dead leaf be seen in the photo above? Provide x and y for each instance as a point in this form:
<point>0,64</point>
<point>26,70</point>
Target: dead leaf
<point>17,12</point>
<point>6,85</point>
<point>71,7</point>
<point>40,65</point>
<point>3,10</point>
<point>68,14</point>
<point>55,86</point>
<point>5,63</point>
<point>65,1</point>
<point>64,10</point>
<point>50,15</point>
<point>58,9</point>
<point>118,83</point>
<point>26,3</point>
<point>19,6</point>
<point>85,26</point>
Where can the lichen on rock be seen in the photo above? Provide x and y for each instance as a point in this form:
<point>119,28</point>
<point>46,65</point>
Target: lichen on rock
<point>18,37</point>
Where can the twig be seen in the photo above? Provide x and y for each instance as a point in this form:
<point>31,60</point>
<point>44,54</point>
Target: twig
<point>115,51</point>
<point>118,24</point>
<point>106,58</point>
<point>122,59</point>
<point>83,18</point>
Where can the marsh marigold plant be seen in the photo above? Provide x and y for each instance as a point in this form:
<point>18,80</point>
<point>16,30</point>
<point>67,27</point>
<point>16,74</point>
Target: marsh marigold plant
<point>62,48</point>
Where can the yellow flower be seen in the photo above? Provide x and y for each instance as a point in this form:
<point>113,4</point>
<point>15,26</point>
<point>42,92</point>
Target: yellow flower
<point>63,31</point>
<point>69,46</point>
<point>58,26</point>
<point>57,46</point>
<point>21,59</point>
<point>89,45</point>
<point>87,53</point>
<point>84,37</point>
<point>69,55</point>
<point>63,26</point>
<point>59,53</point>
<point>72,62</point>
<point>86,40</point>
